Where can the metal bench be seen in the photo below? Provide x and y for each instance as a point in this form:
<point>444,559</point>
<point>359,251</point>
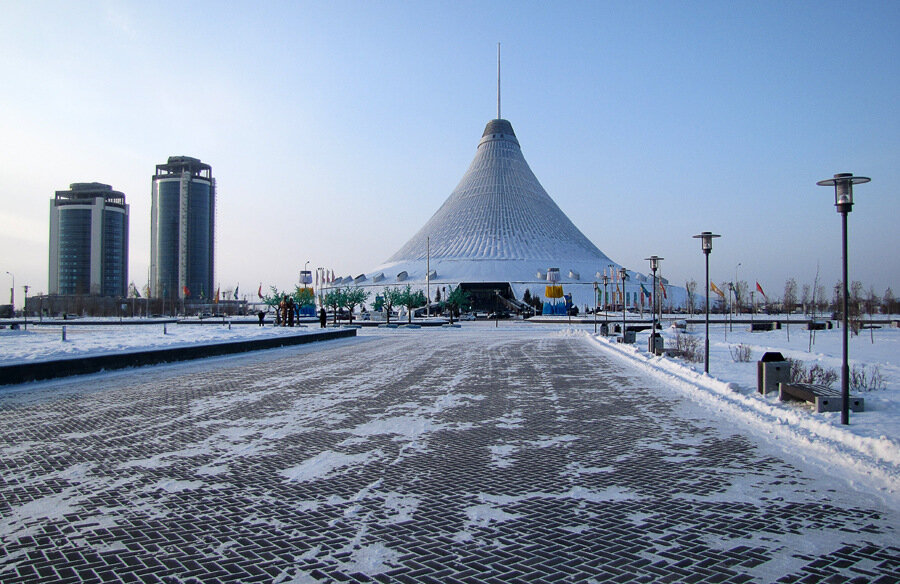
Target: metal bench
<point>823,397</point>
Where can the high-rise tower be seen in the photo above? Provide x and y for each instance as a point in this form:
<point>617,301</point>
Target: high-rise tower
<point>182,230</point>
<point>88,241</point>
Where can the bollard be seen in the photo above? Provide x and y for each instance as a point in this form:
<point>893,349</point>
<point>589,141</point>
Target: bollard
<point>164,328</point>
<point>64,332</point>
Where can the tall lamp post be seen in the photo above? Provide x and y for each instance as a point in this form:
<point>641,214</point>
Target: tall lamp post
<point>706,238</point>
<point>605,279</point>
<point>623,274</point>
<point>654,265</point>
<point>12,294</point>
<point>596,303</point>
<point>843,201</point>
<point>25,306</point>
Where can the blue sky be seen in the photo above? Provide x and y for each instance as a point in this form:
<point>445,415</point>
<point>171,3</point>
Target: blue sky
<point>336,129</point>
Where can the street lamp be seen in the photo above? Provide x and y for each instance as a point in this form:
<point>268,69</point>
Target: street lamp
<point>706,245</point>
<point>843,201</point>
<point>623,274</point>
<point>654,265</point>
<point>596,302</point>
<point>25,306</point>
<point>605,279</point>
<point>12,294</point>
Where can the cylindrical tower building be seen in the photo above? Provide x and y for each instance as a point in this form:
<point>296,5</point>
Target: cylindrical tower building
<point>89,241</point>
<point>182,230</point>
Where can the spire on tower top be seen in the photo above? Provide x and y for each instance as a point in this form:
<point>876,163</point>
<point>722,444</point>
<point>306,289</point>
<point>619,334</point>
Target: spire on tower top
<point>498,81</point>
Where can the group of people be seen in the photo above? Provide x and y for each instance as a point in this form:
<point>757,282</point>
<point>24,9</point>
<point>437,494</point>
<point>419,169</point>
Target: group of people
<point>287,311</point>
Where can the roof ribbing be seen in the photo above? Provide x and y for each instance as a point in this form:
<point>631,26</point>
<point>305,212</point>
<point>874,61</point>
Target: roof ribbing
<point>499,211</point>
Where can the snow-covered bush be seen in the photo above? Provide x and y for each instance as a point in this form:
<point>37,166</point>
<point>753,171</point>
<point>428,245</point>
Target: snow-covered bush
<point>689,347</point>
<point>864,379</point>
<point>814,374</point>
<point>741,353</point>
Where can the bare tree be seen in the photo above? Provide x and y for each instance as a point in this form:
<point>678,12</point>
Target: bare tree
<point>888,302</point>
<point>788,302</point>
<point>872,302</point>
<point>855,305</point>
<point>741,293</point>
<point>837,299</point>
<point>691,288</point>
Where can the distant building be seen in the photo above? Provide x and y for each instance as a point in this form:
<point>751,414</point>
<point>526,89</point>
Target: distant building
<point>89,241</point>
<point>182,230</point>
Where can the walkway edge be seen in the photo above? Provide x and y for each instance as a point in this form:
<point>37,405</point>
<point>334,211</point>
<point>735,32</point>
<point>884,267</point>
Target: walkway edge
<point>877,459</point>
<point>24,372</point>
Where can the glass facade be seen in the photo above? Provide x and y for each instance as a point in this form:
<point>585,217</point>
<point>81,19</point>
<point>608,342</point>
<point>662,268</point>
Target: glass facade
<point>182,229</point>
<point>166,245</point>
<point>199,275</point>
<point>114,271</point>
<point>74,250</point>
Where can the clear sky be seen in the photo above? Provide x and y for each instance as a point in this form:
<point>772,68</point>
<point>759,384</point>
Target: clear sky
<point>336,129</point>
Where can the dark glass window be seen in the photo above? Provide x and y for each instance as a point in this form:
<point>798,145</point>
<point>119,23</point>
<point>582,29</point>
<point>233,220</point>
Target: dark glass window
<point>113,254</point>
<point>74,251</point>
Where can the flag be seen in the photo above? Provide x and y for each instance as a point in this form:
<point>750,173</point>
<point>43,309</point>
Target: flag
<point>147,290</point>
<point>259,292</point>
<point>647,292</point>
<point>714,288</point>
<point>760,290</point>
<point>216,301</point>
<point>136,293</point>
<point>663,288</point>
<point>186,291</point>
<point>235,291</point>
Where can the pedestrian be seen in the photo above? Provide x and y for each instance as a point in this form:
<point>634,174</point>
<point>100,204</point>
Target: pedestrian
<point>262,316</point>
<point>322,317</point>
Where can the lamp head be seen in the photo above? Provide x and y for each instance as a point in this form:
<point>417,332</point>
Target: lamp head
<point>706,238</point>
<point>654,262</point>
<point>843,189</point>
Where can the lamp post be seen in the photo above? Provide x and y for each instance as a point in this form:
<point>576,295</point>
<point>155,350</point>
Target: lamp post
<point>623,274</point>
<point>843,201</point>
<point>25,306</point>
<point>12,294</point>
<point>706,238</point>
<point>654,265</point>
<point>596,302</point>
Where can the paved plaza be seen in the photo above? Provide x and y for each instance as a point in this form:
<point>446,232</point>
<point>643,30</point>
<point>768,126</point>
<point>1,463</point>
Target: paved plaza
<point>517,454</point>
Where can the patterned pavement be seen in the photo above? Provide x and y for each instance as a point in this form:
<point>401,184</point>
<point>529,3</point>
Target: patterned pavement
<point>470,455</point>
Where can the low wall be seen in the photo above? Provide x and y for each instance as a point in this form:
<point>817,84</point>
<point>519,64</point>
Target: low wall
<point>23,372</point>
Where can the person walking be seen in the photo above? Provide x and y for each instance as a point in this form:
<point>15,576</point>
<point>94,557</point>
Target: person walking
<point>322,317</point>
<point>262,316</point>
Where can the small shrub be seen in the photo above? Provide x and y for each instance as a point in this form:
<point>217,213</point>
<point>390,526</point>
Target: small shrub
<point>689,347</point>
<point>814,374</point>
<point>864,379</point>
<point>741,353</point>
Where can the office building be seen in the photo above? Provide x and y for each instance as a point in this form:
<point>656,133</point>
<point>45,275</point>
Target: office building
<point>88,241</point>
<point>182,230</point>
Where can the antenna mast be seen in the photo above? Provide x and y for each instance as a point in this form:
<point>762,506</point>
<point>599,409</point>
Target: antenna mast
<point>498,81</point>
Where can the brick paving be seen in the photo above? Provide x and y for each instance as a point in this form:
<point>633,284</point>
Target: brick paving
<point>427,456</point>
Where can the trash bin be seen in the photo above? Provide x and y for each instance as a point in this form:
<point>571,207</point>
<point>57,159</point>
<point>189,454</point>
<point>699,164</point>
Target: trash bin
<point>627,337</point>
<point>771,370</point>
<point>656,344</point>
<point>604,329</point>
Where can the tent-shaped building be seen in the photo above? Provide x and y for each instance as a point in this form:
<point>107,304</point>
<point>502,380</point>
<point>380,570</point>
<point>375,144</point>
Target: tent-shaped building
<point>498,234</point>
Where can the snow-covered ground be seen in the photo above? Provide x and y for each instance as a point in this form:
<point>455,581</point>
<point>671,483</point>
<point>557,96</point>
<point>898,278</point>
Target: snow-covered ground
<point>870,445</point>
